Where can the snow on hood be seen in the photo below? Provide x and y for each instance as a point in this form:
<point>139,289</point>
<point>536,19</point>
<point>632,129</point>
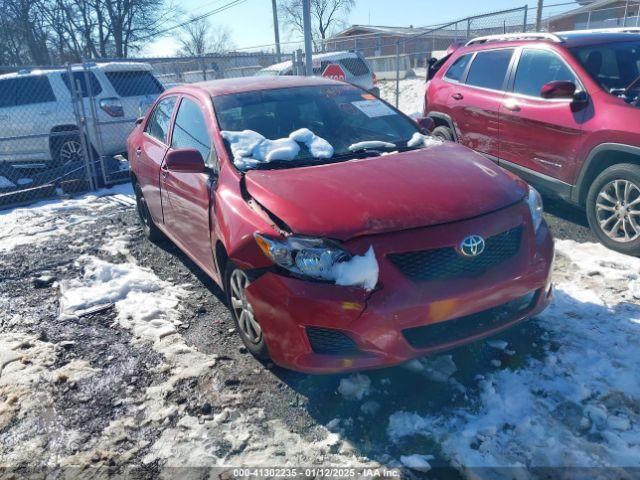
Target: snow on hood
<point>249,148</point>
<point>420,140</point>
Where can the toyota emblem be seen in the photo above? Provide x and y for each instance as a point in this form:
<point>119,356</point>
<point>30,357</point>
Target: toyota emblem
<point>472,246</point>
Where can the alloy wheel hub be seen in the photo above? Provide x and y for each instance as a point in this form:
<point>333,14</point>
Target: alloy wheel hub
<point>618,210</point>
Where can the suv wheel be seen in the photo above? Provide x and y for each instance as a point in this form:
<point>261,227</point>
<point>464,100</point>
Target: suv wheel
<point>67,149</point>
<point>444,133</point>
<point>613,208</point>
<point>236,281</point>
<point>149,228</point>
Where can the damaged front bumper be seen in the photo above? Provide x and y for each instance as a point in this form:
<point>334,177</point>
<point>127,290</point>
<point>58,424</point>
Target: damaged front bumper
<point>324,328</point>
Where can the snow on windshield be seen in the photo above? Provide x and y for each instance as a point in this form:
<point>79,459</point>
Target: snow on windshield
<point>420,140</point>
<point>370,144</point>
<point>250,148</point>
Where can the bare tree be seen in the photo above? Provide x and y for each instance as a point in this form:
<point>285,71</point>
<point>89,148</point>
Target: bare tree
<point>326,16</point>
<point>198,37</point>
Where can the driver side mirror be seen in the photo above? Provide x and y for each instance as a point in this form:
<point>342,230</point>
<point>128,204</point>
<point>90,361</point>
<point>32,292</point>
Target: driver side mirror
<point>426,124</point>
<point>558,90</point>
<point>185,160</point>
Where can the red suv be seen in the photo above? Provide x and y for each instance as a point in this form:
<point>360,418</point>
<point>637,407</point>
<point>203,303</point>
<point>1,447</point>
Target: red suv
<point>344,237</point>
<point>560,110</point>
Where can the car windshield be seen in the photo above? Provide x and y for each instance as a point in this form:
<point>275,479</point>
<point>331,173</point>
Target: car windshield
<point>614,66</point>
<point>309,125</point>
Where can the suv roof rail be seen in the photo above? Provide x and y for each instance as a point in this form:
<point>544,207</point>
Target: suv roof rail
<point>605,30</point>
<point>507,37</point>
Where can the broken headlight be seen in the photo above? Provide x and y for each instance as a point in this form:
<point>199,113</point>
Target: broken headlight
<point>534,200</point>
<point>309,257</point>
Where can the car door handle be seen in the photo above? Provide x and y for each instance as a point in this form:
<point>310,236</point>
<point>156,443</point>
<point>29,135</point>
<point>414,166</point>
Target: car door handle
<point>457,96</point>
<point>165,171</point>
<point>138,151</point>
<point>511,105</point>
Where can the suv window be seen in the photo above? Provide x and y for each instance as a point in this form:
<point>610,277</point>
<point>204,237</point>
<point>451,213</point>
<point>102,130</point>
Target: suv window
<point>489,69</point>
<point>80,79</point>
<point>158,124</point>
<point>456,70</point>
<point>355,66</point>
<point>134,83</point>
<point>190,130</point>
<point>35,89</point>
<point>612,65</point>
<point>537,68</point>
<point>7,92</point>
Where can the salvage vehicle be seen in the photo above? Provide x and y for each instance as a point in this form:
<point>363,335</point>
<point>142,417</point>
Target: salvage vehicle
<point>559,109</point>
<point>349,66</point>
<point>40,124</point>
<point>344,237</point>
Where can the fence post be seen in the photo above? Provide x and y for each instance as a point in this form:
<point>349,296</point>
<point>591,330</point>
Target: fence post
<point>94,116</point>
<point>589,19</point>
<point>397,73</point>
<point>76,101</point>
<point>526,13</point>
<point>468,28</point>
<point>626,11</point>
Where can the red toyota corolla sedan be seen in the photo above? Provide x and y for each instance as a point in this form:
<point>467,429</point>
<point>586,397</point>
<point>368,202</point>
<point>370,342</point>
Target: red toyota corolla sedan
<point>344,236</point>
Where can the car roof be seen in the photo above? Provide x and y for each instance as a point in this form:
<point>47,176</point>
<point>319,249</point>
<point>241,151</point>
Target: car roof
<point>565,39</point>
<point>277,67</point>
<point>250,84</point>
<point>104,66</point>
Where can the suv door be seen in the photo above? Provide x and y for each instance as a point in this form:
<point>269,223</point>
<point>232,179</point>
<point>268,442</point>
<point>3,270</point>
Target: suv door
<point>151,152</point>
<point>7,101</point>
<point>186,197</point>
<point>541,135</point>
<point>474,101</point>
<point>30,119</point>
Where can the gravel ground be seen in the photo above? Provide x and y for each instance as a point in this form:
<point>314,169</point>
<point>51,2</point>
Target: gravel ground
<point>88,390</point>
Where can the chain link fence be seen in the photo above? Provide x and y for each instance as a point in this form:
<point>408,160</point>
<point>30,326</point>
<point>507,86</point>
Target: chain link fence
<point>65,127</point>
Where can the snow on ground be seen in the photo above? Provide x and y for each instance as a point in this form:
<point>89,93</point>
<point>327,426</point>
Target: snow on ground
<point>39,221</point>
<point>577,406</point>
<point>411,94</point>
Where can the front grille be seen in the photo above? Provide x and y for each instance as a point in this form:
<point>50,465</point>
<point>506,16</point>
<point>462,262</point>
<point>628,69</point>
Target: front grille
<point>447,263</point>
<point>330,342</point>
<point>464,327</point>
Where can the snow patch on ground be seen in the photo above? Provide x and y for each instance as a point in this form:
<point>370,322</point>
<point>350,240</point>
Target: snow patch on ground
<point>355,387</point>
<point>43,220</point>
<point>417,462</point>
<point>411,94</point>
<point>579,405</point>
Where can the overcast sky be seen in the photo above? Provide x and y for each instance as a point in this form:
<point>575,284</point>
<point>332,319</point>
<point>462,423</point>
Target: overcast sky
<point>251,22</point>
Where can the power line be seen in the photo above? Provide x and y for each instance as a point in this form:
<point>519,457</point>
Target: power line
<point>224,7</point>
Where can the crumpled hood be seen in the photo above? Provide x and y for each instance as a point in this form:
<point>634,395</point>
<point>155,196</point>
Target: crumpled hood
<point>435,185</point>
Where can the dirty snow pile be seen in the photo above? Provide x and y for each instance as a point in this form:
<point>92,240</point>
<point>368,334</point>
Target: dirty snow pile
<point>250,148</point>
<point>41,221</point>
<point>579,405</point>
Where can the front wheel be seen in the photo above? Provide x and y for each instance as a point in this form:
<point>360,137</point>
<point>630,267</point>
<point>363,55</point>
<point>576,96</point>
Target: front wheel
<point>613,208</point>
<point>236,282</point>
<point>444,133</point>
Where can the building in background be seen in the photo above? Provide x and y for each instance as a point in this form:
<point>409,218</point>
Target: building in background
<point>598,14</point>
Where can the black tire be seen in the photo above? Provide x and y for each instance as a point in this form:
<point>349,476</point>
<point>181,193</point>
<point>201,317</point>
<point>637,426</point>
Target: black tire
<point>254,342</point>
<point>608,191</point>
<point>66,148</point>
<point>444,133</point>
<point>149,228</point>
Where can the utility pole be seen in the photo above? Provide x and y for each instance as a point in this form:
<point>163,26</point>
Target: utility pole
<point>308,52</point>
<point>539,15</point>
<point>276,30</point>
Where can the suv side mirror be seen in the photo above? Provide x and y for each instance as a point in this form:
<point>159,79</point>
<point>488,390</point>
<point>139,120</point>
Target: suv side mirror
<point>185,160</point>
<point>426,124</point>
<point>559,89</point>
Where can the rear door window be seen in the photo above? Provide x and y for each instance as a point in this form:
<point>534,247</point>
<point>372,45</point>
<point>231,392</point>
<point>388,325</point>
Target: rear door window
<point>34,89</point>
<point>7,92</point>
<point>158,124</point>
<point>489,69</point>
<point>79,80</point>
<point>457,69</point>
<point>134,83</point>
<point>537,68</point>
